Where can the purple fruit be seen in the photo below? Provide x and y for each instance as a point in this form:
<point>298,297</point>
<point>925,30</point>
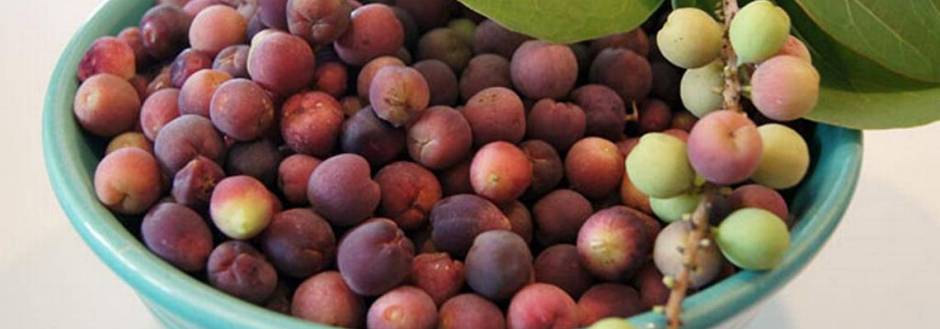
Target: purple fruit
<point>178,235</point>
<point>311,123</point>
<point>649,282</point>
<point>501,172</point>
<point>608,300</point>
<point>128,181</point>
<point>440,138</point>
<point>484,71</point>
<point>368,71</point>
<point>375,257</point>
<point>129,139</point>
<point>293,174</point>
<point>438,275</point>
<point>427,13</point>
<point>559,124</point>
<point>559,265</point>
<point>635,40</point>
<point>408,193</point>
<point>158,110</point>
<point>299,243</point>
<point>106,105</point>
<point>495,114</point>
<point>759,196</point>
<point>331,78</point>
<point>470,311</point>
<point>342,190</point>
<point>320,22</point>
<point>185,138</point>
<point>193,7</point>
<point>374,31</point>
<point>134,38</point>
<point>547,168</point>
<point>233,60</point>
<point>594,167</point>
<point>326,299</point>
<point>543,70</point>
<point>279,301</point>
<point>558,216</point>
<point>108,55</point>
<point>271,13</point>
<point>456,179</point>
<point>188,63</point>
<point>444,44</point>
<point>654,116</point>
<point>164,29</point>
<point>375,140</point>
<point>498,264</point>
<point>520,219</point>
<point>624,71</point>
<point>241,109</point>
<point>442,83</point>
<point>604,110</point>
<point>403,308</point>
<point>614,243</point>
<point>490,37</point>
<point>238,269</point>
<point>408,24</point>
<point>541,305</point>
<point>457,220</point>
<point>193,185</point>
<point>280,62</point>
<point>666,79</point>
<point>217,27</point>
<point>195,96</point>
<point>399,95</point>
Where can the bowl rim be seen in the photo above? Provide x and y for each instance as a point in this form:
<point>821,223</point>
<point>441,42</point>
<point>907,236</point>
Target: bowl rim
<point>160,285</point>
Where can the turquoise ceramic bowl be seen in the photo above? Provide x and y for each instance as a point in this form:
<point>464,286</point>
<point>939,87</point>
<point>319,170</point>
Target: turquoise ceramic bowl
<point>180,301</point>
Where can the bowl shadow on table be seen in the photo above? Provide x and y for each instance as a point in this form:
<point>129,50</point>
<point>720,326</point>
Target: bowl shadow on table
<point>863,225</point>
<point>774,314</point>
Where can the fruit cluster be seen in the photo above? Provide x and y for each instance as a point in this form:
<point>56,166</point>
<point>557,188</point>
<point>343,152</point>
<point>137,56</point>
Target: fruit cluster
<point>413,165</point>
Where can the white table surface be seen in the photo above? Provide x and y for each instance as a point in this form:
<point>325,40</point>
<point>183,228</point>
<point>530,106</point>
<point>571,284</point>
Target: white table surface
<point>881,269</point>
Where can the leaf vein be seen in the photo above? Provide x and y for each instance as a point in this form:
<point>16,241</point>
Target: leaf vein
<point>891,29</point>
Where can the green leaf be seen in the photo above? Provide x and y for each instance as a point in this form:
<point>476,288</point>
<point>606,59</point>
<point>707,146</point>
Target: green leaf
<point>902,36</point>
<point>857,92</point>
<point>566,21</point>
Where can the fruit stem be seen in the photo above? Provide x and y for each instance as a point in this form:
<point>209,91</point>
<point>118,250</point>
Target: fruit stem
<point>634,114</point>
<point>697,240</point>
<point>732,90</point>
<point>700,235</point>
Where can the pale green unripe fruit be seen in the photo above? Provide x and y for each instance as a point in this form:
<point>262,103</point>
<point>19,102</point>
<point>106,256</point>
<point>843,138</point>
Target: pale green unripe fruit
<point>785,88</point>
<point>671,209</point>
<point>700,89</point>
<point>690,38</point>
<point>758,31</point>
<point>611,323</point>
<point>753,239</point>
<point>785,158</point>
<point>659,167</point>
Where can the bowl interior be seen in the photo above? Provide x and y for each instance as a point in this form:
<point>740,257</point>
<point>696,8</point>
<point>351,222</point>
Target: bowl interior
<point>71,157</point>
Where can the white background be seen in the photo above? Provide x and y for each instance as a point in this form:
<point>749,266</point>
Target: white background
<point>880,270</point>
